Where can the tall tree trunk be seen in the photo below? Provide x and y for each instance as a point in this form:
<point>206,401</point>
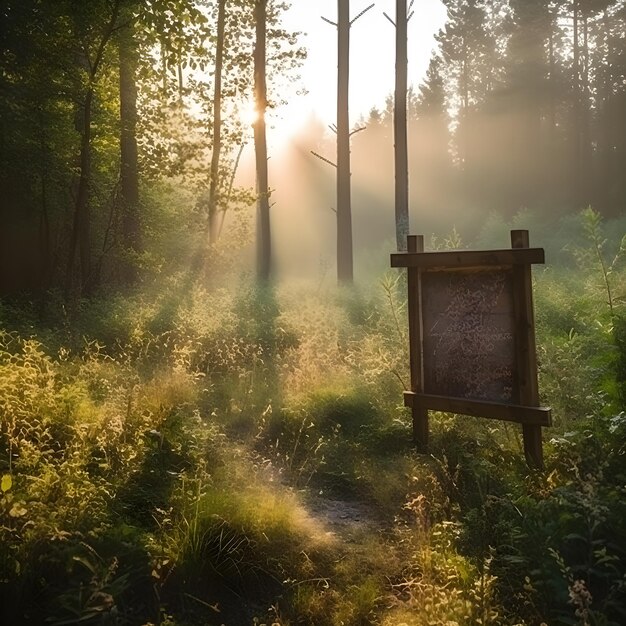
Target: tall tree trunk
<point>400,128</point>
<point>217,124</point>
<point>462,130</point>
<point>576,121</point>
<point>163,68</point>
<point>345,272</point>
<point>80,238</point>
<point>45,256</point>
<point>586,156</point>
<point>264,247</point>
<point>553,87</point>
<point>129,170</point>
<point>605,139</point>
<point>181,82</point>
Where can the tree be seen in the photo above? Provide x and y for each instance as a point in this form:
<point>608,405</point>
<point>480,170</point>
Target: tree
<point>400,127</point>
<point>610,103</point>
<point>470,69</point>
<point>345,269</point>
<point>217,122</point>
<point>93,38</point>
<point>107,98</point>
<point>129,165</point>
<point>37,141</point>
<point>264,245</point>
<point>526,89</point>
<point>432,191</point>
<point>537,95</point>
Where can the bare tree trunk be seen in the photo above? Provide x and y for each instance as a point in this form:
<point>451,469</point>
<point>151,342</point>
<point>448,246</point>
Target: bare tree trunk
<point>605,152</point>
<point>129,170</point>
<point>552,95</point>
<point>80,239</point>
<point>217,124</point>
<point>163,68</point>
<point>577,147</point>
<point>586,156</point>
<point>181,83</point>
<point>344,209</point>
<point>400,128</point>
<point>264,248</point>
<point>463,130</point>
<point>45,255</point>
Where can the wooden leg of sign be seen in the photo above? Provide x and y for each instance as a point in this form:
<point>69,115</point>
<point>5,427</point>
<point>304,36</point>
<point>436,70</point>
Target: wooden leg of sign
<point>526,350</point>
<point>415,243</point>
<point>420,428</point>
<point>533,445</point>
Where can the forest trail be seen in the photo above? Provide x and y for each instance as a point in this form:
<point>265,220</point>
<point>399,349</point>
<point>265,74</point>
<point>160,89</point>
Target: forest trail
<point>345,520</point>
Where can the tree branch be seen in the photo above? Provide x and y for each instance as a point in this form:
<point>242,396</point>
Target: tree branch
<point>363,12</point>
<point>392,22</point>
<point>357,130</point>
<point>105,39</point>
<point>319,156</point>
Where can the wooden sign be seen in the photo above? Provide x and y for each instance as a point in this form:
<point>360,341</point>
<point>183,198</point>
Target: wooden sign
<point>472,340</point>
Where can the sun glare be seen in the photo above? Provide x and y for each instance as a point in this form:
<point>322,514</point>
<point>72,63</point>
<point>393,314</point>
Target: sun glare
<point>248,114</point>
<point>282,123</point>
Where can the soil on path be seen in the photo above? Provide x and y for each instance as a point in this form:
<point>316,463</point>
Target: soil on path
<point>343,519</point>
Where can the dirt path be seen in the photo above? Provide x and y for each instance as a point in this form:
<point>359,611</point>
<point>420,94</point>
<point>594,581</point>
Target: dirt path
<point>344,519</point>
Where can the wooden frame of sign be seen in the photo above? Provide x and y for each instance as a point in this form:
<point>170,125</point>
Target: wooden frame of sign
<point>472,337</point>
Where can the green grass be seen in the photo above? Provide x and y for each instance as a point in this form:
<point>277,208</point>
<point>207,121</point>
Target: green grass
<point>162,458</point>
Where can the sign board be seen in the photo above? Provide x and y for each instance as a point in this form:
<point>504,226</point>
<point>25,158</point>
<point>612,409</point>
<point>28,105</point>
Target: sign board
<point>471,333</point>
<point>468,329</point>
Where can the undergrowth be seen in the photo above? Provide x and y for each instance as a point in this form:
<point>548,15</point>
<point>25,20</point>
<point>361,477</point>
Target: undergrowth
<point>162,454</point>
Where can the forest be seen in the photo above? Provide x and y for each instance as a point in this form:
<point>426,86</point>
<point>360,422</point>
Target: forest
<point>204,347</point>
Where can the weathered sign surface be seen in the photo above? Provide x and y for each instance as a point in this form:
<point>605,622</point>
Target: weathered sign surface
<point>468,335</point>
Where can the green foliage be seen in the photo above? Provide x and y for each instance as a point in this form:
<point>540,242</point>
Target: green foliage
<point>593,258</point>
<point>228,453</point>
<point>579,326</point>
<point>171,453</point>
<point>88,447</point>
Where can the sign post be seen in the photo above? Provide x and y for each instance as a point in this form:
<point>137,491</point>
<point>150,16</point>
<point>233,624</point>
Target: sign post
<point>472,337</point>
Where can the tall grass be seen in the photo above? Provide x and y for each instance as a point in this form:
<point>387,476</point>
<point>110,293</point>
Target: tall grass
<point>163,457</point>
